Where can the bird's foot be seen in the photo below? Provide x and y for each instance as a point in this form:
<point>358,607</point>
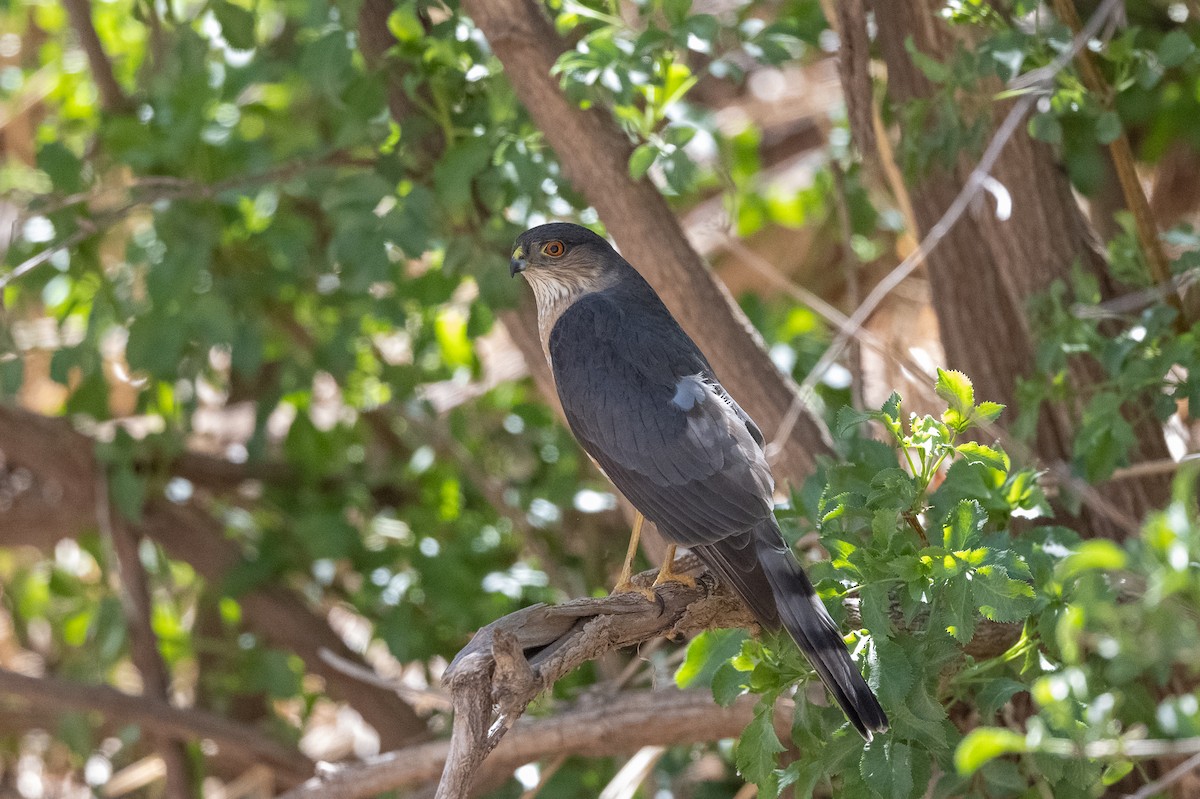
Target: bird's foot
<point>668,575</point>
<point>627,587</point>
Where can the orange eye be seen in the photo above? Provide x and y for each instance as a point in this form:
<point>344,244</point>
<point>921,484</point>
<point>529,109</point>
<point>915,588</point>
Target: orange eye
<point>553,248</point>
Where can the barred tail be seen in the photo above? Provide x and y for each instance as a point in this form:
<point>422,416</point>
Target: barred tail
<point>807,621</point>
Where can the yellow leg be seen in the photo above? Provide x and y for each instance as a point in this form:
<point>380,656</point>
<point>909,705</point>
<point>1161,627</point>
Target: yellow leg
<point>666,574</point>
<point>624,584</point>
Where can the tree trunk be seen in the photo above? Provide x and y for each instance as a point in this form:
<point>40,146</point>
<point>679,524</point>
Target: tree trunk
<point>985,270</point>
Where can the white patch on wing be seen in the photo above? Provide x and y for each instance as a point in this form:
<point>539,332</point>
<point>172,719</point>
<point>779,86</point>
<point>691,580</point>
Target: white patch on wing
<point>717,429</point>
<point>689,391</point>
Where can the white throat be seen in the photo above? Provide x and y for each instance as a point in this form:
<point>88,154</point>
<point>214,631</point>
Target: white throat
<point>553,297</point>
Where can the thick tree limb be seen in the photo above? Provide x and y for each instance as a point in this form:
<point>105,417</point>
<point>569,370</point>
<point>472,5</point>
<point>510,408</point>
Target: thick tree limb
<point>514,659</point>
<point>240,743</point>
<point>47,493</point>
<point>595,157</point>
<point>599,725</point>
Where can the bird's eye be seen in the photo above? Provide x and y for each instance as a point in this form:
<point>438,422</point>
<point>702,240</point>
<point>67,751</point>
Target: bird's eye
<point>553,248</point>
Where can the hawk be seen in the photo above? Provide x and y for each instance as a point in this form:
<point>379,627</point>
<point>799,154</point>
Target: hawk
<point>645,404</point>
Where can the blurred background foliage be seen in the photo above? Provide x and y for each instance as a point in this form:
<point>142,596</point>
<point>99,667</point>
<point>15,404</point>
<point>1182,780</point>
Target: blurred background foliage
<point>259,259</point>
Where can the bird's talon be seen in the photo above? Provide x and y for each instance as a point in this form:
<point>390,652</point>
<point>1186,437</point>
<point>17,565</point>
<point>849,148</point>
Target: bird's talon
<point>668,576</point>
<point>628,587</point>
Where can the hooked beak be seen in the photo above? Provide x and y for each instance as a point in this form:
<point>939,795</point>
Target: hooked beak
<point>517,262</point>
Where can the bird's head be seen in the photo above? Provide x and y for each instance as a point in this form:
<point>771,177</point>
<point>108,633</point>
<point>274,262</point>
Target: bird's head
<point>565,255</point>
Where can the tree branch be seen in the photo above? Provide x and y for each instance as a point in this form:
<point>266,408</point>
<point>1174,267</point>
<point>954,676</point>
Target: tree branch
<point>112,97</point>
<point>511,661</point>
<point>599,725</point>
<point>248,746</point>
<point>47,491</point>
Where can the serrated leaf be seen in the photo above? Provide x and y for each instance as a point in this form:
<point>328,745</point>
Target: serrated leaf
<point>983,744</point>
<point>996,693</point>
<point>887,768</point>
<point>848,419</point>
<point>758,746</point>
<point>956,389</point>
<point>988,411</point>
<point>959,606</point>
<point>963,525</point>
<point>641,160</point>
<point>1000,597</point>
<point>975,452</point>
<point>891,408</point>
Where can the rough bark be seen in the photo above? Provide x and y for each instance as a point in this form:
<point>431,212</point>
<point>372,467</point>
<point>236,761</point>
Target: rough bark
<point>595,155</point>
<point>47,492</point>
<point>986,269</point>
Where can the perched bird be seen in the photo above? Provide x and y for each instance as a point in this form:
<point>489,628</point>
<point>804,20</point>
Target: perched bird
<point>643,401</point>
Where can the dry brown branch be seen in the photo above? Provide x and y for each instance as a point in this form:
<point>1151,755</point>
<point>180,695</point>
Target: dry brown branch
<point>135,600</point>
<point>595,157</point>
<point>47,493</point>
<point>243,744</point>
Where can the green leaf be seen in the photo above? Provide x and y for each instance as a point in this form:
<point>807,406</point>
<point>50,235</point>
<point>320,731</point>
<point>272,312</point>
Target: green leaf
<point>128,492</point>
<point>641,160</point>
<point>1115,772</point>
<point>958,608</point>
<point>963,525</point>
<point>988,411</point>
<point>758,746</point>
<point>848,419</point>
<point>983,744</point>
<point>1175,48</point>
<point>728,683</point>
<point>61,165</point>
<point>705,654</point>
<point>237,24</point>
<point>956,389</point>
<point>996,693</point>
<point>975,452</point>
<point>1096,554</point>
<point>887,768</point>
<point>1108,127</point>
<point>1000,597</point>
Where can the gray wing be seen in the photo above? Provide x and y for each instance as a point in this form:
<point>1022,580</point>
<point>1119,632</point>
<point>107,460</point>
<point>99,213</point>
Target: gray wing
<point>644,403</point>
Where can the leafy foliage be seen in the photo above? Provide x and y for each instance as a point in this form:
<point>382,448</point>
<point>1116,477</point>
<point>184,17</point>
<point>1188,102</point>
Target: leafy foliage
<point>1083,674</point>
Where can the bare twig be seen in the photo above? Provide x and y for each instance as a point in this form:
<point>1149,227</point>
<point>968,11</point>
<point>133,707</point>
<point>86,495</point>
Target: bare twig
<point>241,743</point>
<point>1167,780</point>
